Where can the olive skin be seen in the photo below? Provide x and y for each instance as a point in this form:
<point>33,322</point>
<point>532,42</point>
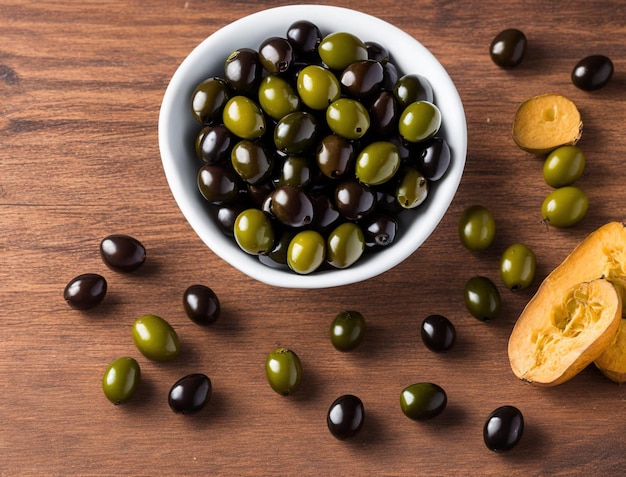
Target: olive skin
<point>254,232</point>
<point>85,291</point>
<point>283,370</point>
<point>347,330</point>
<point>517,267</point>
<point>121,379</point>
<point>508,48</point>
<point>592,73</point>
<point>564,166</point>
<point>345,417</point>
<point>201,304</point>
<point>503,429</point>
<point>306,252</point>
<point>482,298</point>
<point>155,338</point>
<point>422,401</point>
<point>345,245</point>
<point>564,207</point>
<point>477,228</point>
<point>190,394</point>
<point>438,333</point>
<point>122,253</point>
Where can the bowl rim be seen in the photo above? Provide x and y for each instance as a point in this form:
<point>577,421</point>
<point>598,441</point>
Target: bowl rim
<point>263,22</point>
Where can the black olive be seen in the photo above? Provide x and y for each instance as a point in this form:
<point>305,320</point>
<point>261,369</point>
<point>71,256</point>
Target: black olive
<point>345,416</point>
<point>592,73</point>
<point>508,48</point>
<point>190,394</point>
<point>85,291</point>
<point>122,253</point>
<point>503,428</point>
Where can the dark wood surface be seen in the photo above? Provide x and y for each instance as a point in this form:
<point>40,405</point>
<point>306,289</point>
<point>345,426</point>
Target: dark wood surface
<point>80,89</point>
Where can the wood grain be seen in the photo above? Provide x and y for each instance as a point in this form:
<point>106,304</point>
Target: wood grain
<point>80,87</point>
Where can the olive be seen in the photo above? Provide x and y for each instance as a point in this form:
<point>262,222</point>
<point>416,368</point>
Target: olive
<point>345,416</point>
<point>304,37</point>
<point>122,253</point>
<point>258,193</point>
<point>85,291</point>
<point>438,333</point>
<point>564,166</point>
<point>318,87</point>
<point>564,207</point>
<point>306,252</point>
<point>434,158</point>
<point>517,266</point>
<point>243,71</point>
<point>155,338</point>
<point>390,76</point>
<point>335,156</point>
<point>340,49</point>
<point>295,171</point>
<point>379,230</point>
<point>254,232</point>
<point>120,380</point>
<point>377,163</point>
<point>190,394</point>
<point>482,298</point>
<point>423,401</point>
<point>277,257</point>
<point>412,189</point>
<point>362,78</point>
<point>377,52</point>
<point>419,121</point>
<point>345,245</point>
<point>291,206</point>
<point>411,88</point>
<point>208,100</point>
<point>218,184</point>
<point>244,118</point>
<point>348,118</point>
<point>276,55</point>
<point>384,112</point>
<point>277,97</point>
<point>201,304</point>
<point>477,228</point>
<point>592,73</point>
<point>252,160</point>
<point>347,330</point>
<point>353,200</point>
<point>215,144</point>
<point>508,48</point>
<point>503,428</point>
<point>295,132</point>
<point>225,216</point>
<point>325,215</point>
<point>283,370</point>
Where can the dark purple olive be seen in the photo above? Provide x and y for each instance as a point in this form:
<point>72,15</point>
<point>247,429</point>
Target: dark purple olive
<point>384,113</point>
<point>201,304</point>
<point>508,48</point>
<point>226,214</point>
<point>379,231</point>
<point>335,156</point>
<point>413,87</point>
<point>122,253</point>
<point>354,200</point>
<point>362,78</point>
<point>85,291</point>
<point>438,333</point>
<point>190,394</point>
<point>433,158</point>
<point>304,36</point>
<point>243,71</point>
<point>208,100</point>
<point>503,429</point>
<point>215,143</point>
<point>345,416</point>
<point>276,54</point>
<point>218,184</point>
<point>325,216</point>
<point>377,52</point>
<point>291,206</point>
<point>592,73</point>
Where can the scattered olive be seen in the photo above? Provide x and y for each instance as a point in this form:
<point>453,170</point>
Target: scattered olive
<point>201,304</point>
<point>508,48</point>
<point>345,416</point>
<point>592,73</point>
<point>438,333</point>
<point>477,228</point>
<point>517,266</point>
<point>482,298</point>
<point>422,401</point>
<point>347,330</point>
<point>564,166</point>
<point>564,207</point>
<point>283,370</point>
<point>122,253</point>
<point>155,338</point>
<point>503,429</point>
<point>190,394</point>
<point>85,291</point>
<point>120,380</point>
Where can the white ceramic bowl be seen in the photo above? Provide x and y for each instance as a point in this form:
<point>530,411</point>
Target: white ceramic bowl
<point>177,131</point>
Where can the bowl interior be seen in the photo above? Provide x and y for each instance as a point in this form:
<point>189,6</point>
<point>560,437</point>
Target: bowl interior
<point>177,131</point>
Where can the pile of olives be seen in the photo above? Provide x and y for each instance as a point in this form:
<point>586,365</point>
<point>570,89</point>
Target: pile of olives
<point>311,145</point>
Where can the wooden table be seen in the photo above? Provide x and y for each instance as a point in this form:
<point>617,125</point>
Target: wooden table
<point>80,86</point>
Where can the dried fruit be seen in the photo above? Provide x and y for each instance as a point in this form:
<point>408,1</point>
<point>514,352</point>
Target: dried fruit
<point>543,123</point>
<point>612,361</point>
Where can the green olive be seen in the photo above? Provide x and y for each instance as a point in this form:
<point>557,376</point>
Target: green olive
<point>423,401</point>
<point>244,118</point>
<point>295,132</point>
<point>564,166</point>
<point>120,380</point>
<point>482,298</point>
<point>517,266</point>
<point>277,98</point>
<point>477,228</point>
<point>348,118</point>
<point>340,49</point>
<point>252,161</point>
<point>254,232</point>
<point>564,207</point>
<point>318,87</point>
<point>155,338</point>
<point>306,252</point>
<point>412,189</point>
<point>345,245</point>
<point>419,121</point>
<point>347,330</point>
<point>377,163</point>
<point>283,370</point>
